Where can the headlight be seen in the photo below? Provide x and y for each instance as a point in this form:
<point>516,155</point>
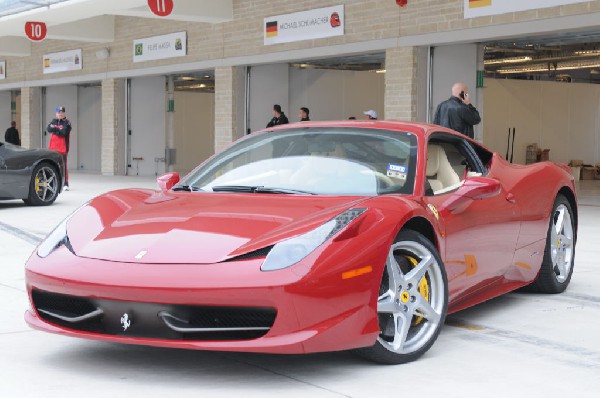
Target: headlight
<point>54,240</point>
<point>290,251</point>
<point>57,237</point>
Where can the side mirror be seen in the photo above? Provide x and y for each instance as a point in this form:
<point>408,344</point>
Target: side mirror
<point>166,181</point>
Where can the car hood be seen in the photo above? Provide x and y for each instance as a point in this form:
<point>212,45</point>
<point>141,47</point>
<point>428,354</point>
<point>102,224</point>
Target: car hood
<point>193,227</point>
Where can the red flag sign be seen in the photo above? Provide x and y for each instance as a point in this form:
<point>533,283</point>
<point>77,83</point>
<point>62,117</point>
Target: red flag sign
<point>162,8</point>
<point>36,31</point>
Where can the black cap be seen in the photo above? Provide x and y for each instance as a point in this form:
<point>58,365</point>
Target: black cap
<point>60,109</point>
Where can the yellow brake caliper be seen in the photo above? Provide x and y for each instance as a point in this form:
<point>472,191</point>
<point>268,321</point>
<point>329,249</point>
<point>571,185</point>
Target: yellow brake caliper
<point>37,184</point>
<point>423,289</point>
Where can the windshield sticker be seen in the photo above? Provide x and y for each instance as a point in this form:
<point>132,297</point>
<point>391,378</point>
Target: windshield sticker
<point>396,171</point>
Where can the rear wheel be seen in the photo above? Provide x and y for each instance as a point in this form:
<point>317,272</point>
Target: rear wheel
<point>559,255</point>
<point>44,186</point>
<point>412,303</point>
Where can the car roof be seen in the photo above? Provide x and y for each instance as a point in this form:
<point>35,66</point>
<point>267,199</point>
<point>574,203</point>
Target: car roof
<point>417,128</point>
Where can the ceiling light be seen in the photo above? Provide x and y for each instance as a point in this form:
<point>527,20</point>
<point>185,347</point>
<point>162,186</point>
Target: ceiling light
<point>380,71</point>
<point>512,60</point>
<point>546,68</point>
<point>193,86</point>
<point>588,52</point>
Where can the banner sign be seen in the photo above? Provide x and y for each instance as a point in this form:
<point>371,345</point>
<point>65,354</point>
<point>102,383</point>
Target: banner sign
<point>160,47</point>
<point>63,61</point>
<point>479,8</point>
<point>2,70</point>
<point>305,25</point>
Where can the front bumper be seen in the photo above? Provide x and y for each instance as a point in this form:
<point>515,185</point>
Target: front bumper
<point>315,310</point>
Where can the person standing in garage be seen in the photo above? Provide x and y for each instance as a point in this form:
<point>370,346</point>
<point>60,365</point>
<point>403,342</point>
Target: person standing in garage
<point>12,134</point>
<point>60,129</point>
<point>370,114</point>
<point>457,112</point>
<point>304,112</point>
<point>278,117</point>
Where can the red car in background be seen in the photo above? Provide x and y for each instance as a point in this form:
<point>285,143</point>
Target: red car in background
<point>320,236</point>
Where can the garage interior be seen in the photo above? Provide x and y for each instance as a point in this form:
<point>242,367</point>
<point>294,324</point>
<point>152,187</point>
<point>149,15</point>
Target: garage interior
<point>546,89</point>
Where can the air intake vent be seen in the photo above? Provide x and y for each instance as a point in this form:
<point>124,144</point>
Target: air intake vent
<point>153,320</point>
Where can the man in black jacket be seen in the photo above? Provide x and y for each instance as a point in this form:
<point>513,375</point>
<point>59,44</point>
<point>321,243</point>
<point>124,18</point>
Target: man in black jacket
<point>457,113</point>
<point>12,134</point>
<point>278,117</point>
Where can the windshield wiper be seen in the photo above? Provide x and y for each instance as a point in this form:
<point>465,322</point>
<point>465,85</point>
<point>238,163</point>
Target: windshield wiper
<point>188,188</point>
<point>259,189</point>
<point>283,190</point>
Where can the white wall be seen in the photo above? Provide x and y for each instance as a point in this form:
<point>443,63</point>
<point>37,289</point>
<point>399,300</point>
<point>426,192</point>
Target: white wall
<point>63,96</point>
<point>5,113</point>
<point>269,84</point>
<point>451,64</point>
<point>562,117</point>
<point>148,108</point>
<point>194,129</point>
<point>335,94</point>
<point>90,129</point>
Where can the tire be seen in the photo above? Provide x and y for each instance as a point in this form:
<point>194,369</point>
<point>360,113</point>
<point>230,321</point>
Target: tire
<point>44,185</point>
<point>559,254</point>
<point>410,315</point>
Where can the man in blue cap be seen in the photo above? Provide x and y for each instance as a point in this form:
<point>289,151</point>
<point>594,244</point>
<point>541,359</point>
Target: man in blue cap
<point>60,129</point>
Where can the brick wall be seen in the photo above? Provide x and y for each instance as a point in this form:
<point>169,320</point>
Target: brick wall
<point>401,83</point>
<point>30,117</point>
<point>109,127</point>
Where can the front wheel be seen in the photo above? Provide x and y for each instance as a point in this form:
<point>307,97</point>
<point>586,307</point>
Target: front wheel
<point>412,303</point>
<point>559,255</point>
<point>44,186</point>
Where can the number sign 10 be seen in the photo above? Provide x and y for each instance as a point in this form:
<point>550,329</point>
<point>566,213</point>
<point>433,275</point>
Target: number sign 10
<point>36,31</point>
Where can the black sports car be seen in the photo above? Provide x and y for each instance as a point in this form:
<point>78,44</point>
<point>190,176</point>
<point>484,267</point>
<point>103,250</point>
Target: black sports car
<point>34,175</point>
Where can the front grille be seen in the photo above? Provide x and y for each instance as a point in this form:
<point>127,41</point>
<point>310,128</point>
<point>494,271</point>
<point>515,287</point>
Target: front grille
<point>153,320</point>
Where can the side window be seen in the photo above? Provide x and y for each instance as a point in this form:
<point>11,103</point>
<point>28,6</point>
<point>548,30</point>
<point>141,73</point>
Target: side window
<point>483,157</point>
<point>449,162</point>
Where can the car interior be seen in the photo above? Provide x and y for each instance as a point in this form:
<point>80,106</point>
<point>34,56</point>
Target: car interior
<point>448,165</point>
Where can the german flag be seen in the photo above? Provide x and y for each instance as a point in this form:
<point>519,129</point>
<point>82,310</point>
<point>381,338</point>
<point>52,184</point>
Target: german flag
<point>271,29</point>
<point>479,3</point>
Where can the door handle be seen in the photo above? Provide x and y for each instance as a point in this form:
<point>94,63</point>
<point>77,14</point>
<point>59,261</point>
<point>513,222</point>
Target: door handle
<point>510,198</point>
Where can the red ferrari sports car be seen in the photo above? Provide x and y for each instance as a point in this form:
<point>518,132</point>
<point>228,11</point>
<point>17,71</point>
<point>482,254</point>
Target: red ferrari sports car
<point>309,237</point>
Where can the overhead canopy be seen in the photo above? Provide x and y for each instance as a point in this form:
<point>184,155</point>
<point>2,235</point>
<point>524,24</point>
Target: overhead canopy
<point>92,20</point>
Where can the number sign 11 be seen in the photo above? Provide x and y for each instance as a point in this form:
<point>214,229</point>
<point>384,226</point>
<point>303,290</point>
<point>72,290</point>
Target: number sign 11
<point>162,8</point>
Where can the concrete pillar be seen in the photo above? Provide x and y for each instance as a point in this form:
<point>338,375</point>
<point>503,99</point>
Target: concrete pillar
<point>170,123</point>
<point>229,105</point>
<point>401,83</point>
<point>110,127</point>
<point>31,123</point>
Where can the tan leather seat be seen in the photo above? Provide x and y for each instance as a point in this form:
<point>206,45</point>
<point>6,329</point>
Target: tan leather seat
<point>440,173</point>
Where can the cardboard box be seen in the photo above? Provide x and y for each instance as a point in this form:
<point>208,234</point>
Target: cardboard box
<point>576,163</point>
<point>576,172</point>
<point>588,173</point>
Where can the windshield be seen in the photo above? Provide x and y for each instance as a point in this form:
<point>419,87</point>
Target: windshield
<point>321,161</point>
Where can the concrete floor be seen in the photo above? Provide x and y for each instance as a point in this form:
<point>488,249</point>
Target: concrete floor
<point>518,345</point>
